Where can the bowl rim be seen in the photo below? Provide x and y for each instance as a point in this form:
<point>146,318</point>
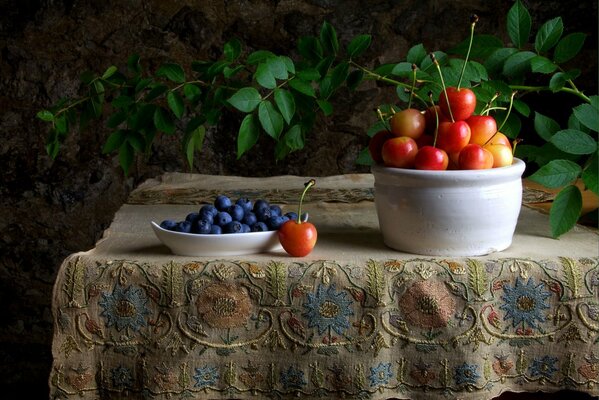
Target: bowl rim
<point>517,165</point>
<point>210,235</point>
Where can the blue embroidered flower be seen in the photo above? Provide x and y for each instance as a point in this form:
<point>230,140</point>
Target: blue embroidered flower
<point>293,378</point>
<point>206,376</point>
<point>125,308</point>
<point>121,377</point>
<point>544,367</point>
<point>380,374</point>
<point>466,373</point>
<point>328,309</point>
<point>524,303</point>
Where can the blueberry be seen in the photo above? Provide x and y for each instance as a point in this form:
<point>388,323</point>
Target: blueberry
<point>183,226</point>
<point>192,217</point>
<point>233,227</point>
<point>263,214</point>
<point>259,227</point>
<point>291,215</point>
<point>201,226</point>
<point>249,218</point>
<point>245,203</point>
<point>276,221</point>
<point>207,216</point>
<point>209,208</point>
<point>216,230</point>
<point>245,228</point>
<point>275,210</point>
<point>260,204</point>
<point>222,202</point>
<point>222,218</point>
<point>168,224</point>
<point>236,212</point>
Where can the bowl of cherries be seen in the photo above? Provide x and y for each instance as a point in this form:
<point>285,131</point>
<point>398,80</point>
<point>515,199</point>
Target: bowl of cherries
<point>446,181</point>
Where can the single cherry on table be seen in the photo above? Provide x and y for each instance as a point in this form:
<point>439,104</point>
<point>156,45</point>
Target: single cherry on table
<point>298,237</point>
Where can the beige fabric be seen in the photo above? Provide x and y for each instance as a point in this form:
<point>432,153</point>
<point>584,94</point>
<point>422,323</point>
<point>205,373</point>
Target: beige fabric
<point>354,319</point>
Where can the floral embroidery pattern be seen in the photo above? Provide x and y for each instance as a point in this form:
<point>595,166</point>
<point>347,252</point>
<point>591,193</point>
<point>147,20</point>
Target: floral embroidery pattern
<point>293,378</point>
<point>224,305</point>
<point>466,374</point>
<point>380,374</point>
<point>206,376</point>
<point>428,304</point>
<point>122,377</point>
<point>525,303</point>
<point>328,309</point>
<point>125,308</point>
<point>544,366</point>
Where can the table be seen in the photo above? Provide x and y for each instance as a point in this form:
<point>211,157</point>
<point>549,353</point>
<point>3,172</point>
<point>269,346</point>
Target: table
<point>353,320</point>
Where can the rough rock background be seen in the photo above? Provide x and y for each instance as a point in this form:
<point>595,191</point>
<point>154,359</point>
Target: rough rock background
<point>51,208</point>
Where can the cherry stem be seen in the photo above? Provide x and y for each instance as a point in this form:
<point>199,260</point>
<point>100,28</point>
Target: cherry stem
<point>430,96</point>
<point>383,120</point>
<point>307,185</point>
<point>514,144</point>
<point>473,20</point>
<point>442,84</point>
<point>487,106</point>
<point>509,110</point>
<point>413,85</point>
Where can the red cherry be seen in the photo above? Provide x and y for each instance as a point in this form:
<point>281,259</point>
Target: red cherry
<point>474,156</point>
<point>453,136</point>
<point>482,128</point>
<point>462,103</point>
<point>375,146</point>
<point>431,158</point>
<point>399,152</point>
<point>297,237</point>
<point>409,122</point>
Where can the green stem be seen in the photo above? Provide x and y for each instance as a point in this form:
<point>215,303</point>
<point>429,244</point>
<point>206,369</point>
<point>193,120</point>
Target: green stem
<point>474,19</point>
<point>379,77</point>
<point>413,85</point>
<point>509,110</point>
<point>443,84</point>
<point>430,95</point>
<point>307,185</point>
<point>524,88</point>
<point>67,108</point>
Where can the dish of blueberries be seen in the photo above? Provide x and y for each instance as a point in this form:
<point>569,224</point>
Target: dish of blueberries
<point>225,228</point>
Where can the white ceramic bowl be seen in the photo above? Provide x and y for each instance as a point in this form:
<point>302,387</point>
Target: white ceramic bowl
<point>448,213</point>
<point>191,244</point>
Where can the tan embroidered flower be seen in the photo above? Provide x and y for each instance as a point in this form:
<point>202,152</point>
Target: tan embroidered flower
<point>224,305</point>
<point>427,304</point>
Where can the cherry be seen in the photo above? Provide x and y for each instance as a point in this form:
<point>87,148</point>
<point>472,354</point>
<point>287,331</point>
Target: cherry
<point>375,146</point>
<point>502,154</point>
<point>409,122</point>
<point>482,128</point>
<point>431,158</point>
<point>457,104</point>
<point>399,152</point>
<point>453,136</point>
<point>298,237</point>
<point>474,156</point>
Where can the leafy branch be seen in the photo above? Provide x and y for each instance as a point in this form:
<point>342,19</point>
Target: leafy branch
<point>280,98</point>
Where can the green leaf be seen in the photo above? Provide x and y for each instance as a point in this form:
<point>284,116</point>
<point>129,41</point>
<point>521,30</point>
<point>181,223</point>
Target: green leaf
<point>142,84</point>
<point>229,72</point>
<point>588,116</point>
<point>294,139</point>
<point>52,148</point>
<point>482,47</point>
<point>354,78</point>
<point>245,99</point>
<point>559,79</point>
<point>192,92</point>
<point>556,173</point>
<point>270,119</point>
<point>325,106</point>
<point>358,45</point>
<point>109,72</point>
<point>310,48</point>
<point>60,124</point>
<point>278,67</point>
<point>285,103</point>
<point>302,87</point>
<point>136,140</point>
<point>595,101</point>
<point>427,63</point>
<point>545,127</point>
<point>325,87</point>
<point>385,69</point>
<point>518,24</point>
<point>521,107</point>
<point>126,155</point>
<point>328,38</point>
<point>155,92</point>
<point>512,126</point>
<point>193,141</point>
<point>163,121</point>
<point>45,115</point>
<point>175,102</point>
<point>542,65</point>
<point>518,64</point>
<point>172,71</point>
<point>494,64</point>
<point>259,56</point>
<point>264,76</point>
<point>232,49</point>
<point>289,65</point>
<point>565,210</point>
<point>339,74</point>
<point>416,54</point>
<point>589,175</point>
<point>217,68</point>
<point>116,119</point>
<point>248,134</point>
<point>574,142</point>
<point>568,47</point>
<point>364,157</point>
<point>308,74</point>
<point>122,102</point>
<point>549,34</point>
<point>324,65</point>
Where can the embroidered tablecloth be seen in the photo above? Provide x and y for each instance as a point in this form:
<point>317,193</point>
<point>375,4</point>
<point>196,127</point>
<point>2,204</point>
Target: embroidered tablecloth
<point>352,320</point>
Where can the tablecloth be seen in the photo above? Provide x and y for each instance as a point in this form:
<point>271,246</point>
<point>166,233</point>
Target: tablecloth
<point>354,319</point>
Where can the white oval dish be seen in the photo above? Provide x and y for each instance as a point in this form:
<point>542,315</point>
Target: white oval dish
<point>191,244</point>
<point>448,213</point>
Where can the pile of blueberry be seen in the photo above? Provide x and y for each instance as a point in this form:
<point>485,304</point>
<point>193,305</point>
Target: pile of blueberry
<point>225,217</point>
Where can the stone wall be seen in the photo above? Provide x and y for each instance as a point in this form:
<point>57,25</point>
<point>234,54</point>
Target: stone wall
<point>51,208</point>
